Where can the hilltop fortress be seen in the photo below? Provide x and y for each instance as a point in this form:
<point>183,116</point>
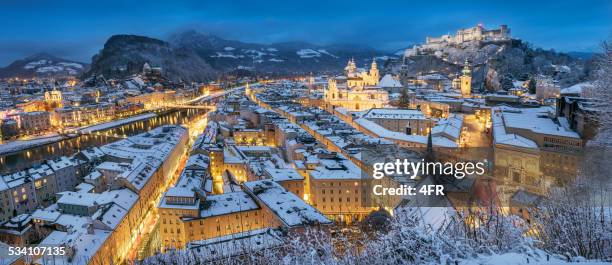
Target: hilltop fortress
<point>477,33</point>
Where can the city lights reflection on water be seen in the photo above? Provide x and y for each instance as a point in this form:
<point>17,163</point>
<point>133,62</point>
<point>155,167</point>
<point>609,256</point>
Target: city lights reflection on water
<point>20,160</point>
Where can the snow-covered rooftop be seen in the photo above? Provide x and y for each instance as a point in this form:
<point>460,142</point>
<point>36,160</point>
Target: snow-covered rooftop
<point>237,244</point>
<point>500,136</point>
<point>402,137</point>
<point>283,174</point>
<point>389,81</point>
<point>227,203</point>
<point>536,120</point>
<point>387,113</point>
<point>577,89</point>
<point>289,208</point>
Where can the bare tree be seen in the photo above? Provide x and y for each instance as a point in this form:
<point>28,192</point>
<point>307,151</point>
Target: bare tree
<point>602,92</point>
<point>576,220</point>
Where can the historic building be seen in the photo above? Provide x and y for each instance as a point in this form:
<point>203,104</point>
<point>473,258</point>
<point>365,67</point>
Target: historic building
<point>477,33</point>
<point>53,99</point>
<point>358,90</point>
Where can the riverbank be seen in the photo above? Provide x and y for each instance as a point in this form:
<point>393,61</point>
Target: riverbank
<point>117,123</point>
<point>20,145</point>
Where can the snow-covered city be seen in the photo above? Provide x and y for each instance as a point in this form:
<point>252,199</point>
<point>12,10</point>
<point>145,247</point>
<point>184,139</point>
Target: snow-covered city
<point>285,134</point>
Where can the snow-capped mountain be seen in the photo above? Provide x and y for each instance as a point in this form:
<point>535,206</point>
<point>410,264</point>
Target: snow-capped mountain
<point>193,56</point>
<point>284,57</point>
<point>42,65</point>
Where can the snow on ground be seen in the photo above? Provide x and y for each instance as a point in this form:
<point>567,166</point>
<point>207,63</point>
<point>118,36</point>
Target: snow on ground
<point>75,65</point>
<point>386,57</point>
<point>18,145</point>
<point>326,52</point>
<point>308,53</point>
<point>32,65</point>
<point>51,68</point>
<point>520,259</point>
<point>227,55</point>
<point>45,66</point>
<point>116,123</point>
<point>255,53</point>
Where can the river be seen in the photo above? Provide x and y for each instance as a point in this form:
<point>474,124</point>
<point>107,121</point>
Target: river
<point>16,161</point>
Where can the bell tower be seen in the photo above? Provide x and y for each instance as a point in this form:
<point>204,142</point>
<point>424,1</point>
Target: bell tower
<point>374,74</point>
<point>466,80</point>
<point>350,68</point>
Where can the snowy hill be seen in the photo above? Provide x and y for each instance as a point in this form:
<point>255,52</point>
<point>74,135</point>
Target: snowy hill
<point>125,55</point>
<point>42,65</point>
<point>492,62</point>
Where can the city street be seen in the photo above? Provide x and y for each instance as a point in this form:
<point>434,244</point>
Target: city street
<point>476,135</point>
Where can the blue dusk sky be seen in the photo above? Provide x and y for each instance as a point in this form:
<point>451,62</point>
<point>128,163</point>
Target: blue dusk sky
<point>78,29</point>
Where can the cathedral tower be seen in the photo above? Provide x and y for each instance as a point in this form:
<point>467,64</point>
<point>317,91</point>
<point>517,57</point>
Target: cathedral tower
<point>374,74</point>
<point>350,68</point>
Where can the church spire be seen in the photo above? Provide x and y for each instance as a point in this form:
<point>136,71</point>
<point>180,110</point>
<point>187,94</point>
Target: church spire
<point>466,68</point>
<point>350,67</point>
<point>429,154</point>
